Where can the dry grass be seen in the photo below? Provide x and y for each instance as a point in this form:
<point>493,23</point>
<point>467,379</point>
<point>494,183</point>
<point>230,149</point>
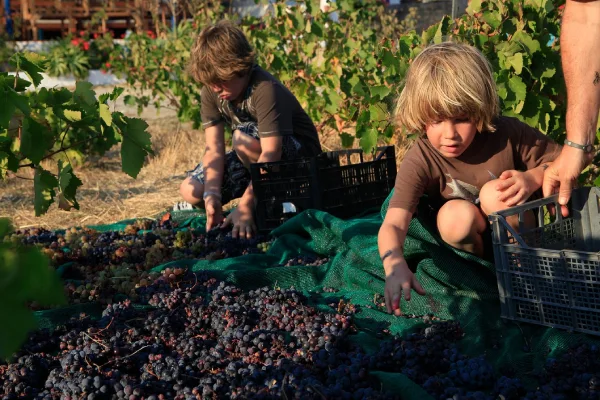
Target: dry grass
<point>108,195</point>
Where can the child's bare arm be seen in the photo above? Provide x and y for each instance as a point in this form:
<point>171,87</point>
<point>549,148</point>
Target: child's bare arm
<point>214,158</point>
<point>398,277</point>
<point>517,186</point>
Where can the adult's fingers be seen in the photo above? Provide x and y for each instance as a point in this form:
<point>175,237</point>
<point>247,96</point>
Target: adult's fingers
<point>566,186</point>
<point>551,181</point>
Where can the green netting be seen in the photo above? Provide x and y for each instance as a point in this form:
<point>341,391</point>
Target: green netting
<point>460,286</point>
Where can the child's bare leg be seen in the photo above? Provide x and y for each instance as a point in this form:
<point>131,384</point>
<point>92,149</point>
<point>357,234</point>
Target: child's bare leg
<point>488,195</point>
<point>246,147</point>
<point>461,224</point>
<point>192,190</point>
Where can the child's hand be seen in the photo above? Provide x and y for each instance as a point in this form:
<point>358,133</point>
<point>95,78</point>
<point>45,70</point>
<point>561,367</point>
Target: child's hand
<point>400,279</point>
<point>516,187</point>
<point>214,212</point>
<point>243,222</point>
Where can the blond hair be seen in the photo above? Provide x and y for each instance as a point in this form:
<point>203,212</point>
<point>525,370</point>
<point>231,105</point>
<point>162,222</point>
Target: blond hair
<point>220,53</point>
<point>448,80</point>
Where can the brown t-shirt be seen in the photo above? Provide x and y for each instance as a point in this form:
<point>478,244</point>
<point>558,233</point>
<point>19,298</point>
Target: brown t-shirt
<point>267,102</point>
<point>513,146</point>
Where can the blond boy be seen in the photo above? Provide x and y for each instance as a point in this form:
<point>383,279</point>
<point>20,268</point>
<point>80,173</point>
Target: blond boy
<point>267,121</point>
<point>468,160</point>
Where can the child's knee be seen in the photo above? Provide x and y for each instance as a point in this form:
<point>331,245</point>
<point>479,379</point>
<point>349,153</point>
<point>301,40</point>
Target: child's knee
<point>458,220</point>
<point>488,197</point>
<point>191,190</point>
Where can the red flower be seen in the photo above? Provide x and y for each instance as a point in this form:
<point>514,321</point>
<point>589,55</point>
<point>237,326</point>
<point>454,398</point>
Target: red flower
<point>75,42</point>
<point>96,36</point>
<point>86,46</point>
<point>81,33</point>
<point>107,65</point>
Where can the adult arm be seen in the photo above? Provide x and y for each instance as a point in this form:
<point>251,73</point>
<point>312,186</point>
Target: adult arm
<point>580,52</point>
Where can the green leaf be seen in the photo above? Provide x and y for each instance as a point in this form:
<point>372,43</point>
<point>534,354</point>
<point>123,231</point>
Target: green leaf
<point>379,91</point>
<point>442,30</point>
<point>103,98</point>
<point>532,45</point>
<point>105,114</point>
<point>32,64</point>
<point>129,100</point>
<point>44,185</point>
<point>368,140</point>
<point>347,140</point>
<point>34,140</point>
<point>333,101</point>
<point>25,276</point>
<point>474,7</point>
<point>68,183</point>
<point>515,61</point>
<point>493,18</point>
<point>116,93</point>
<point>72,115</point>
<point>84,93</point>
<point>518,87</point>
<point>135,147</point>
<point>7,109</point>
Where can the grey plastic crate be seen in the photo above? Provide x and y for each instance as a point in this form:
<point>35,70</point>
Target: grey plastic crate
<point>550,274</point>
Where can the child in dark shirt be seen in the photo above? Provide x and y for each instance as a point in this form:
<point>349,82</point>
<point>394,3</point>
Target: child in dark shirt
<point>267,121</point>
<point>469,161</point>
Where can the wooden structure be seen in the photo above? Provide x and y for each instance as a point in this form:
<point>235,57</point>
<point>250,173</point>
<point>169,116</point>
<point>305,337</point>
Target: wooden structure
<point>69,16</point>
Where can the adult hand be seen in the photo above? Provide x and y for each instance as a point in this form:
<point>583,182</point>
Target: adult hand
<point>214,212</point>
<point>400,280</point>
<point>243,222</point>
<point>561,176</point>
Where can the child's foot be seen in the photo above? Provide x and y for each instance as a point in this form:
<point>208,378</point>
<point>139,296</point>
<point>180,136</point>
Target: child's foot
<point>183,205</point>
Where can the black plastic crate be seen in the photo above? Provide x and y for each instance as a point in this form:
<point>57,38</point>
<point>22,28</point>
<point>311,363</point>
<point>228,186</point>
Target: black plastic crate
<point>344,183</point>
<point>550,274</point>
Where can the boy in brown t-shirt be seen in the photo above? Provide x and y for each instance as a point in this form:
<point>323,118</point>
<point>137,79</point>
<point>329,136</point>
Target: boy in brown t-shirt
<point>469,161</point>
<point>267,121</point>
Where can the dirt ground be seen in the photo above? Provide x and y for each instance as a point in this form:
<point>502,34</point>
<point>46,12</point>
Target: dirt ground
<point>109,195</point>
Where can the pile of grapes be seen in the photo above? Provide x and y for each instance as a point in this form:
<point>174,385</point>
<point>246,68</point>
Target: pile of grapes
<point>184,335</point>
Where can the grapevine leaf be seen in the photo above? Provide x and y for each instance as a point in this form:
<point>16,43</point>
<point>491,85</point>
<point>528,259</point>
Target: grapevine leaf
<point>8,108</point>
<point>333,101</point>
<point>368,140</point>
<point>105,114</point>
<point>516,61</point>
<point>34,140</point>
<point>84,93</point>
<point>72,115</point>
<point>129,100</point>
<point>474,7</point>
<point>32,64</point>
<point>68,183</point>
<point>103,98</point>
<point>25,276</point>
<point>135,147</point>
<point>347,140</point>
<point>44,185</point>
<point>17,321</point>
<point>518,87</point>
<point>442,30</point>
<point>379,91</point>
<point>117,91</point>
